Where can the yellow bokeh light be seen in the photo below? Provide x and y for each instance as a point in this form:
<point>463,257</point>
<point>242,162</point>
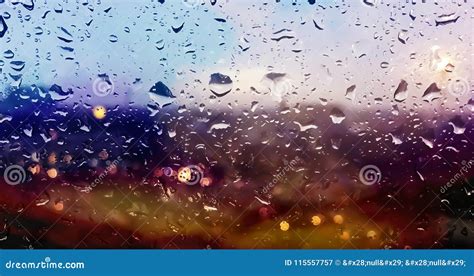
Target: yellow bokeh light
<point>345,235</point>
<point>184,174</point>
<point>99,112</point>
<point>284,226</point>
<point>59,206</point>
<point>52,173</point>
<point>316,220</point>
<point>371,234</point>
<point>338,219</point>
<point>206,181</point>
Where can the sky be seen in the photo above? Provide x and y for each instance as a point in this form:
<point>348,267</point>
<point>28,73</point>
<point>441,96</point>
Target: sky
<point>320,50</point>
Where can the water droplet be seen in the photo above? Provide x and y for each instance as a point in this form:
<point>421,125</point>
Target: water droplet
<point>161,94</point>
<point>219,126</point>
<point>370,3</point>
<point>445,19</point>
<point>178,28</point>
<point>305,127</point>
<point>403,36</point>
<point>337,116</point>
<point>458,125</point>
<point>396,139</point>
<point>350,92</point>
<point>3,27</point>
<point>384,65</point>
<point>113,38</point>
<point>401,93</point>
<point>431,93</point>
<point>220,84</point>
<point>160,44</point>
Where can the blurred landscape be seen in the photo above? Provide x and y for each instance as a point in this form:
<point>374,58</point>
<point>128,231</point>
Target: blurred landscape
<point>266,168</point>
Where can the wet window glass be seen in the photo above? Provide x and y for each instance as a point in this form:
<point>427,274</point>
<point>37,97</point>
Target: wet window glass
<point>236,124</point>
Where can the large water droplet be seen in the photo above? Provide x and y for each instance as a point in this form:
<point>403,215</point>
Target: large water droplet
<point>432,93</point>
<point>337,116</point>
<point>220,84</point>
<point>401,93</point>
<point>161,94</point>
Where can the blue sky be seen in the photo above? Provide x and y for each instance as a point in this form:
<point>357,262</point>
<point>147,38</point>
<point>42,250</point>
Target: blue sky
<point>355,40</point>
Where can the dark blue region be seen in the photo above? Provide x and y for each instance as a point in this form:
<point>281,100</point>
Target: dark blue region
<point>32,122</point>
